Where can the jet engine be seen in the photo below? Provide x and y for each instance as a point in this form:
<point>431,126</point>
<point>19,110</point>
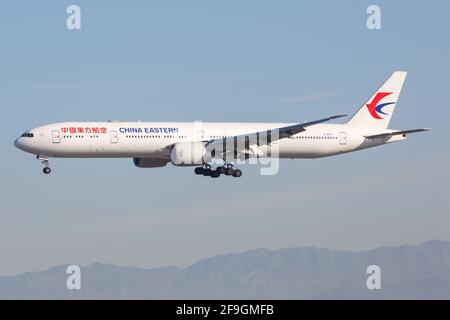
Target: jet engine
<point>187,153</point>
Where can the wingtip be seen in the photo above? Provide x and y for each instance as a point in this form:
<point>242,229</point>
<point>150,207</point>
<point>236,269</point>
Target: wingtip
<point>338,116</point>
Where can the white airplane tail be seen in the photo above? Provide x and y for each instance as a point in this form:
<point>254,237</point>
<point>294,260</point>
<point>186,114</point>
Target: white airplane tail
<point>378,110</point>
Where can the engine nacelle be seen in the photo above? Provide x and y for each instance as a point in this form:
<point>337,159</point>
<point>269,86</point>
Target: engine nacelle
<point>187,153</point>
<point>149,162</point>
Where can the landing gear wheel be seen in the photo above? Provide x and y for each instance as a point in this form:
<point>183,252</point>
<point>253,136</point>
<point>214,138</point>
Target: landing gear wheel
<point>207,172</point>
<point>45,162</point>
<point>229,172</point>
<point>237,173</point>
<point>221,170</point>
<point>215,174</point>
<point>199,170</point>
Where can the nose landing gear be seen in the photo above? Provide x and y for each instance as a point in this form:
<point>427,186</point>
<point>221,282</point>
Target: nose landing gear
<point>45,162</point>
<point>226,169</point>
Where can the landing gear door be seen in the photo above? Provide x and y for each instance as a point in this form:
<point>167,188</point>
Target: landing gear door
<point>343,138</point>
<point>114,136</point>
<point>55,136</point>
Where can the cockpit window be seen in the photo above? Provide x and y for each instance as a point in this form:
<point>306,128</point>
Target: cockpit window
<point>28,135</point>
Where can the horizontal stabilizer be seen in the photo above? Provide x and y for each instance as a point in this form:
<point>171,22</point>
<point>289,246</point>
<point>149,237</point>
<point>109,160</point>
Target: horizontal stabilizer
<point>395,133</point>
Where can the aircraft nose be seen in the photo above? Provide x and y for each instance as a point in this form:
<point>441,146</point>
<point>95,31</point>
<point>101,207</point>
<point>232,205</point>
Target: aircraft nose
<point>19,143</point>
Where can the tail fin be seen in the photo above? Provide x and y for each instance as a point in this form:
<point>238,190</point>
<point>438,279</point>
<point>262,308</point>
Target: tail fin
<point>378,110</point>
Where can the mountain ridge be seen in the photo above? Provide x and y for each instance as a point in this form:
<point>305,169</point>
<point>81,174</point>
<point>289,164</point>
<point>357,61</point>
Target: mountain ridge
<point>288,273</point>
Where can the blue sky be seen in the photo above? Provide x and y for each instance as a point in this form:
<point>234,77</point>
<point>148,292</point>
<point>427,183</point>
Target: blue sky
<point>219,61</point>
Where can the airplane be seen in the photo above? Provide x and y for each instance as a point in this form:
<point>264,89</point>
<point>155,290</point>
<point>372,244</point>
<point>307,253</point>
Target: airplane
<point>155,144</point>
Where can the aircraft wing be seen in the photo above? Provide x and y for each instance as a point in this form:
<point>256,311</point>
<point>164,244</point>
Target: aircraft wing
<point>241,142</point>
<point>395,133</point>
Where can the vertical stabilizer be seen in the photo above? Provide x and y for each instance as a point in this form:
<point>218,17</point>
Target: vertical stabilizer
<point>378,110</point>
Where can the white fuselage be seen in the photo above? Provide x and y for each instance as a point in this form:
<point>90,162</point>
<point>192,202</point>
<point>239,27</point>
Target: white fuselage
<point>154,139</point>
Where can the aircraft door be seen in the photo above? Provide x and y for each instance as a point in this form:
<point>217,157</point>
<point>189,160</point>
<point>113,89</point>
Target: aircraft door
<point>200,135</point>
<point>343,138</point>
<point>55,136</point>
<point>114,136</point>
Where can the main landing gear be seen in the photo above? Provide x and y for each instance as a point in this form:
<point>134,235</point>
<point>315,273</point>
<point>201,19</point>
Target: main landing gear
<point>46,169</point>
<point>226,169</point>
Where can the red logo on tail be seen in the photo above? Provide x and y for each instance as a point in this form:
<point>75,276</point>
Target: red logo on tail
<point>375,108</point>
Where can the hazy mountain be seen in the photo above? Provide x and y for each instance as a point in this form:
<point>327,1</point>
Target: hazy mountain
<point>410,272</point>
